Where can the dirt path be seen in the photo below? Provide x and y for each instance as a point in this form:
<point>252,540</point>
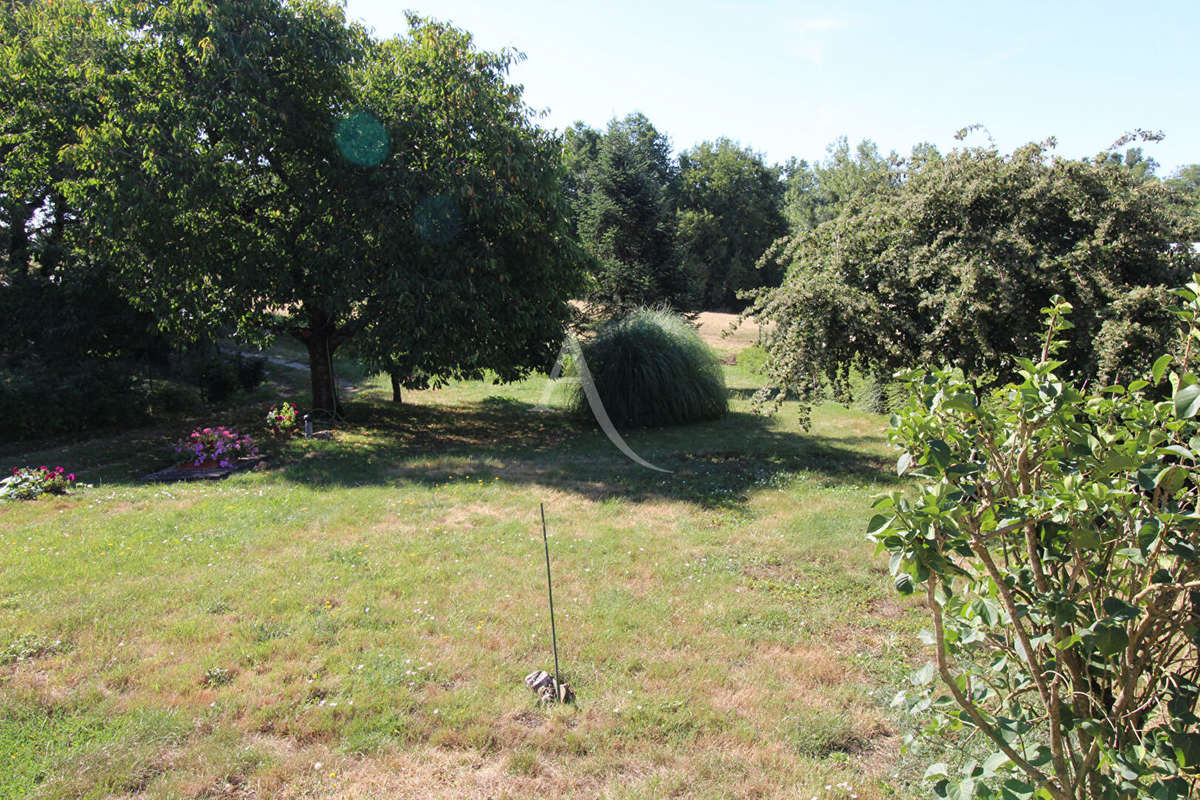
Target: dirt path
<point>289,364</point>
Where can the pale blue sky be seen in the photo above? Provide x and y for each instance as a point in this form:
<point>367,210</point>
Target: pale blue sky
<point>787,78</point>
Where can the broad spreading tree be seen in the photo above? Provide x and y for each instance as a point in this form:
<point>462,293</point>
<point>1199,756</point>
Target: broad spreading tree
<point>68,335</point>
<point>953,265</point>
<point>272,165</point>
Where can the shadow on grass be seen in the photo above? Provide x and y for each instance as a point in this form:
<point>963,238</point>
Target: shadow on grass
<point>713,464</point>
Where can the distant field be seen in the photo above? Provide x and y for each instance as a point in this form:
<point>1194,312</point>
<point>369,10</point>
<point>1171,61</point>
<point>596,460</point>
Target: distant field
<point>356,619</point>
<point>717,330</point>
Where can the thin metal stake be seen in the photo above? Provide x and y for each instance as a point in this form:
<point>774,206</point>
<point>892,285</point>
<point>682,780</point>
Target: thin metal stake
<point>550,590</point>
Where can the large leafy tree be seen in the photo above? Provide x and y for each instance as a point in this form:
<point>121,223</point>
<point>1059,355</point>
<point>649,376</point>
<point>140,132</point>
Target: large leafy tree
<point>626,219</point>
<point>729,212</point>
<point>274,165</point>
<point>954,264</point>
<point>62,319</point>
<point>482,255</point>
<point>58,62</point>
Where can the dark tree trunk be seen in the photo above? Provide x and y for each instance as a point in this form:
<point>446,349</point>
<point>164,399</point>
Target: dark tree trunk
<point>18,237</point>
<point>320,364</point>
<point>52,252</point>
<point>396,387</point>
<point>321,338</point>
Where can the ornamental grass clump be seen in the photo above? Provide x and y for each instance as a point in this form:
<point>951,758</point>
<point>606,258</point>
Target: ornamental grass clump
<point>651,369</point>
<point>220,446</point>
<point>30,483</point>
<point>1055,539</point>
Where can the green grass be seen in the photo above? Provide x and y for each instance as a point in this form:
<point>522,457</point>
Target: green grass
<point>372,603</point>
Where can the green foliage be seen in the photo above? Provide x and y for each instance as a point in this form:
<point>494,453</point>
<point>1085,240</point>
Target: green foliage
<point>481,279</point>
<point>41,400</point>
<point>251,372</point>
<point>818,192</point>
<point>218,380</point>
<point>1056,540</point>
<point>651,369</point>
<point>626,216</point>
<point>165,396</point>
<point>395,194</point>
<point>1186,181</point>
<point>728,213</point>
<point>953,264</point>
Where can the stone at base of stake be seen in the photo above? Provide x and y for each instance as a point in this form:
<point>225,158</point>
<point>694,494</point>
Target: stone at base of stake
<point>542,684</point>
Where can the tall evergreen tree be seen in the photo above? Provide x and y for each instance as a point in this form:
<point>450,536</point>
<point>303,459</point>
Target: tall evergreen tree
<point>627,220</point>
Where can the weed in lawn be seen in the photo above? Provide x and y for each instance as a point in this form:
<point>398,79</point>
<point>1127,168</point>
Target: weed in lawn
<point>30,646</point>
<point>217,676</point>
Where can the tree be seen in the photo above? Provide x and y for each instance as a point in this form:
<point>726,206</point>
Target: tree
<point>293,172</point>
<point>728,214</point>
<point>70,342</point>
<point>581,148</point>
<point>483,271</point>
<point>818,192</point>
<point>953,264</point>
<point>627,216</point>
<point>1186,181</point>
<point>58,61</point>
<point>1133,159</point>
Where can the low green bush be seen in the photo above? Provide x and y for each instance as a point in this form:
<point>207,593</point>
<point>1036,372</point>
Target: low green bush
<point>650,369</point>
<point>218,380</point>
<point>171,397</point>
<point>251,372</point>
<point>40,400</point>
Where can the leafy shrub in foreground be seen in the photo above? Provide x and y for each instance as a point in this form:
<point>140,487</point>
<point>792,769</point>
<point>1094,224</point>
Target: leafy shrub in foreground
<point>1056,540</point>
<point>651,369</point>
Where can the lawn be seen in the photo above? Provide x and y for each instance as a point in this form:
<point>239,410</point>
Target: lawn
<point>355,619</point>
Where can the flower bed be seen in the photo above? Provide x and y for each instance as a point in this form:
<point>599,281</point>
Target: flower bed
<point>215,447</point>
<point>30,483</point>
<point>281,419</point>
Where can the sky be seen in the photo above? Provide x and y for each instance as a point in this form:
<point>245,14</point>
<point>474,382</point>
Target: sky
<point>787,78</point>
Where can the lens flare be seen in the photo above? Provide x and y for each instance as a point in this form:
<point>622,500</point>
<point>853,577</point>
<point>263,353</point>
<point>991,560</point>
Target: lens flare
<point>362,139</point>
<point>437,219</point>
